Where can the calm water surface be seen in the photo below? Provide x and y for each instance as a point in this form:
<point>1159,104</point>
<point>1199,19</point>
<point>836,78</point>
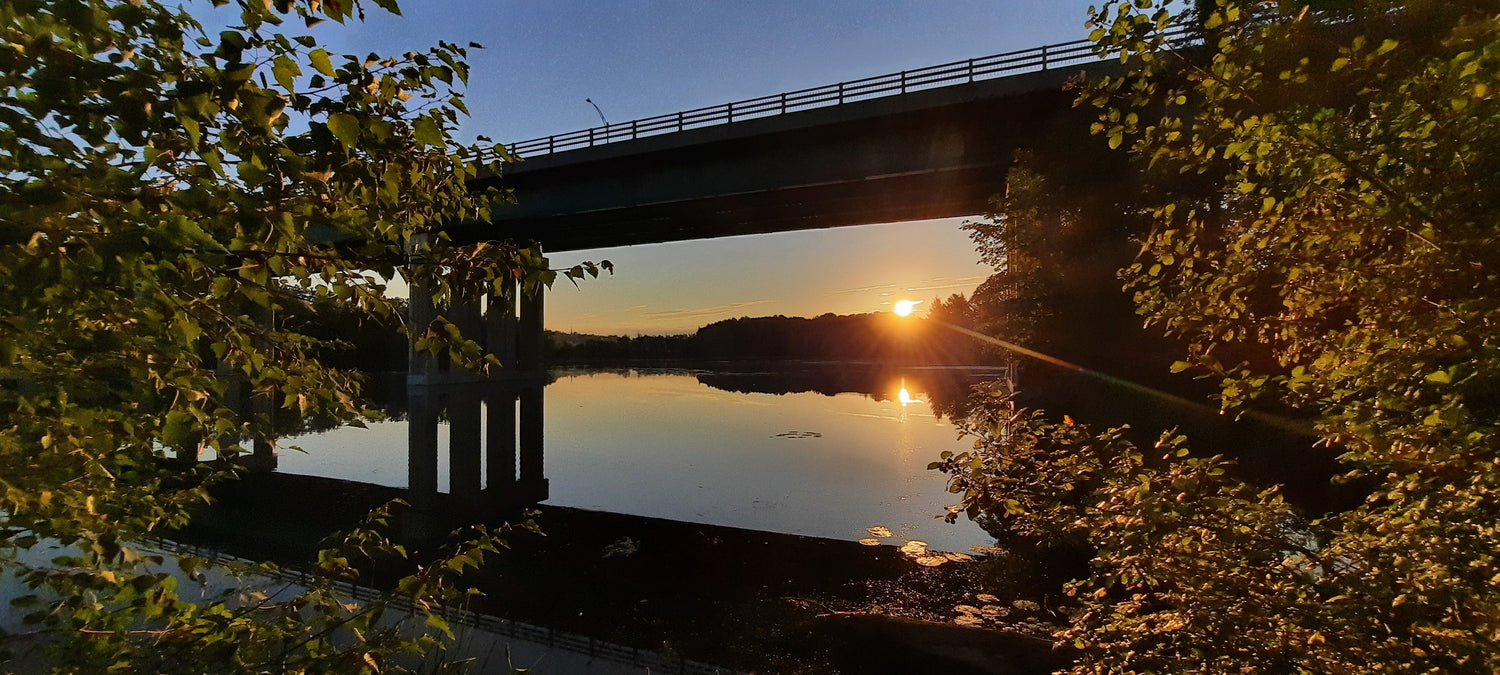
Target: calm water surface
<point>665,444</point>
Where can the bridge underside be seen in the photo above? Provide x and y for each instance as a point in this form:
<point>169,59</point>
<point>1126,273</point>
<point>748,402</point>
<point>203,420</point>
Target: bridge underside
<point>929,154</point>
<point>931,194</point>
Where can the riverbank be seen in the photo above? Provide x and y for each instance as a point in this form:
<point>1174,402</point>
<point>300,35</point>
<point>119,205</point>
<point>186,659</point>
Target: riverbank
<point>743,599</point>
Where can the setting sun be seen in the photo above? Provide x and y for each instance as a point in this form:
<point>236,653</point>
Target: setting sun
<point>904,307</point>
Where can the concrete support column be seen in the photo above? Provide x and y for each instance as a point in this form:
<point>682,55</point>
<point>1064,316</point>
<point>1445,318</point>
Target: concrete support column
<point>465,312</point>
<point>500,329</point>
<point>463,447</point>
<point>236,390</point>
<point>531,337</point>
<point>422,367</point>
<point>263,456</point>
<point>236,398</point>
<point>263,408</point>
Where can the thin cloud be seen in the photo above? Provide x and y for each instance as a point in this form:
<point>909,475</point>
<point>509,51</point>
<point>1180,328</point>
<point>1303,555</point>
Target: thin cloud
<point>930,284</point>
<point>961,282</point>
<point>862,289</point>
<point>910,289</point>
<point>702,311</point>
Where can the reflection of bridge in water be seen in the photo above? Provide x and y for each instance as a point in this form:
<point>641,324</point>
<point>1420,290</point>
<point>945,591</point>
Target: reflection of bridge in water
<point>714,593</point>
<point>495,440</point>
<point>495,435</point>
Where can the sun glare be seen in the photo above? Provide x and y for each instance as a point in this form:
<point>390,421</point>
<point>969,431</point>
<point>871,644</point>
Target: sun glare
<point>905,307</point>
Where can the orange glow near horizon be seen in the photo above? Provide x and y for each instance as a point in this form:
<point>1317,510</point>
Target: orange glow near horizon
<point>905,307</point>
<point>679,287</point>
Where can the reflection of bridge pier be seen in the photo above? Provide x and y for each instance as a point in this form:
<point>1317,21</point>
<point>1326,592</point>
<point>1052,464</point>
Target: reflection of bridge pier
<point>484,441</point>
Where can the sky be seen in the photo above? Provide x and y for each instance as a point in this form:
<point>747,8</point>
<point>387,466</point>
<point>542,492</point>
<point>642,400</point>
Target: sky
<point>634,59</point>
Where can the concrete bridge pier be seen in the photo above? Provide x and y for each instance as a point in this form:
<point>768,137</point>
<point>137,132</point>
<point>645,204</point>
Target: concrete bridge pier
<point>246,406</point>
<point>492,320</point>
<point>501,327</point>
<point>464,311</point>
<point>422,367</point>
<point>532,337</point>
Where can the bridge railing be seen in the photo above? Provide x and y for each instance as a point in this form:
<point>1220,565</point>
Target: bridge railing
<point>1035,59</point>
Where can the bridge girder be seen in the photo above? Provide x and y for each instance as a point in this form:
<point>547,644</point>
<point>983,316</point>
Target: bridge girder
<point>929,154</point>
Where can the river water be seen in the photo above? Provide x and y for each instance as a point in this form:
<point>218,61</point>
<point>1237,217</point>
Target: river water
<point>825,451</point>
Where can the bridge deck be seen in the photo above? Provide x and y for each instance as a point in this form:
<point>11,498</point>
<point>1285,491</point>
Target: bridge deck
<point>928,143</point>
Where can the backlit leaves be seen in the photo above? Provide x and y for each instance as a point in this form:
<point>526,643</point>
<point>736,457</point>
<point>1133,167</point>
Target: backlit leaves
<point>168,198</point>
<point>1330,248</point>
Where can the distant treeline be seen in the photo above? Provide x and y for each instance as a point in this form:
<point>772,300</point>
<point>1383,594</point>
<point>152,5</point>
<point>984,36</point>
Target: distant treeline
<point>881,337</point>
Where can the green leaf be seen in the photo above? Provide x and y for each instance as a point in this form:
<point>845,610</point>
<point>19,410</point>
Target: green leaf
<point>389,6</point>
<point>427,131</point>
<point>437,622</point>
<point>1439,377</point>
<point>345,127</point>
<point>285,72</point>
<point>318,58</point>
<point>194,132</point>
<point>176,429</point>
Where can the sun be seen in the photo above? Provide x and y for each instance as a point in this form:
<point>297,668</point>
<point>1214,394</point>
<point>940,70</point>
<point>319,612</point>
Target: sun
<point>904,307</point>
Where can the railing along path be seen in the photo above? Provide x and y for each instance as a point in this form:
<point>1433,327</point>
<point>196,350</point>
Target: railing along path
<point>1035,59</point>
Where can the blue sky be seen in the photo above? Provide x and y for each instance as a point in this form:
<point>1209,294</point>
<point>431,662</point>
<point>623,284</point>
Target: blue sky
<point>542,59</point>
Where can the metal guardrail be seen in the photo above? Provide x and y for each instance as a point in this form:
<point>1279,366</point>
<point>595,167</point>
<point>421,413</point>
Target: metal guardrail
<point>1035,59</point>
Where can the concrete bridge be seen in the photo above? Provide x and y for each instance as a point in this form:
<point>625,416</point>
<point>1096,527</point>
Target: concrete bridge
<point>928,143</point>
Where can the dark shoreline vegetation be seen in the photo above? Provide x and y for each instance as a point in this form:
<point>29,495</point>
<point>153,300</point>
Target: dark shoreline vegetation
<point>1304,201</point>
<point>875,338</point>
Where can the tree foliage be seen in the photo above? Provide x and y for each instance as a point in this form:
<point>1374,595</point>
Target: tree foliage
<point>166,194</point>
<point>1054,239</point>
<point>1347,246</point>
<point>1020,241</point>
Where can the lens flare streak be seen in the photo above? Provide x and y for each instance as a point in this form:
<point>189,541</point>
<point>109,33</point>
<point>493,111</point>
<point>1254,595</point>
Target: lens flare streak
<point>1272,420</point>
